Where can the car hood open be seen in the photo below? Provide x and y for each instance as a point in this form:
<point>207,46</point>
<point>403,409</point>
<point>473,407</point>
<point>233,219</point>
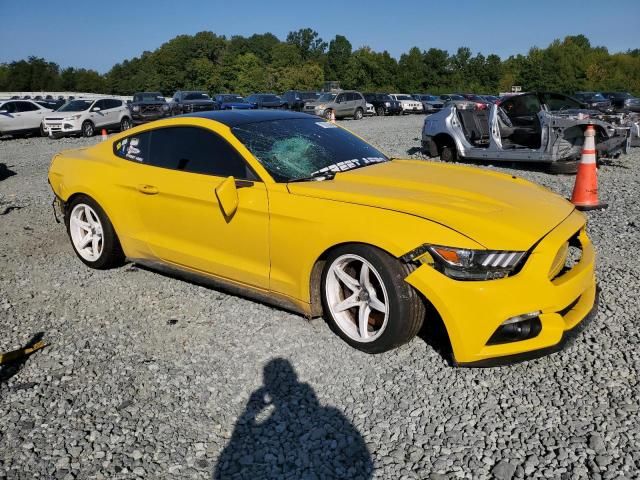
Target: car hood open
<point>498,211</point>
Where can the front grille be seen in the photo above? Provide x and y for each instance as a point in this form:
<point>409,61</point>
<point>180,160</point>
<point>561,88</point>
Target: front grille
<point>150,109</point>
<point>567,258</point>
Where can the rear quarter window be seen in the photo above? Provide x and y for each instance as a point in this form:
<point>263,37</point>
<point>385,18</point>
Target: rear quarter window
<point>134,148</point>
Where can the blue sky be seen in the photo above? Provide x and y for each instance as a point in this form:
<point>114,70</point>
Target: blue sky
<point>99,34</point>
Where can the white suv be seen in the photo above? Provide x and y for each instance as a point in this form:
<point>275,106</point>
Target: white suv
<point>21,116</point>
<point>88,116</point>
<point>408,104</point>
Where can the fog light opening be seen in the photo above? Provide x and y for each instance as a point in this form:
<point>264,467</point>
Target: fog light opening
<point>516,329</point>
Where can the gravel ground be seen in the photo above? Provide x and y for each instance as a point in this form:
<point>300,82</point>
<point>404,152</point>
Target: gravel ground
<point>146,376</point>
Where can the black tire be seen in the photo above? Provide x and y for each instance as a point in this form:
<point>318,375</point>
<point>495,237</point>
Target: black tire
<point>88,129</point>
<point>43,132</point>
<point>406,307</point>
<point>380,111</point>
<point>448,153</point>
<point>358,114</point>
<point>112,254</point>
<point>327,114</point>
<point>125,124</point>
<point>564,168</point>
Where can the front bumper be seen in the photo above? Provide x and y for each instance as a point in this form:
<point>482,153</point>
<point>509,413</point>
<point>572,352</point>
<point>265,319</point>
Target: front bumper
<point>473,311</point>
<point>139,119</point>
<point>61,127</point>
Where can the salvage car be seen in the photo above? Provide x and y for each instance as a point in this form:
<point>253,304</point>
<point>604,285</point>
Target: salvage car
<point>623,101</point>
<point>228,101</point>
<point>595,101</point>
<point>266,100</point>
<point>86,117</point>
<point>347,103</point>
<point>191,101</point>
<point>430,103</point>
<point>532,127</point>
<point>383,104</point>
<point>298,212</point>
<point>408,104</point>
<point>148,106</point>
<point>295,99</point>
<point>21,117</point>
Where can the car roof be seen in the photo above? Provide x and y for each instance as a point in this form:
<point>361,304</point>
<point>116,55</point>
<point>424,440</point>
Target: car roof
<point>233,118</point>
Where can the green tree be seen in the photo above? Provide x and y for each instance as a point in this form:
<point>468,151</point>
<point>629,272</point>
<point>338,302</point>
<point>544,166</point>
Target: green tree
<point>337,57</point>
<point>308,42</point>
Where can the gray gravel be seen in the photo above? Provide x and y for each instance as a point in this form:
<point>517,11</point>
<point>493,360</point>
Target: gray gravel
<point>146,376</point>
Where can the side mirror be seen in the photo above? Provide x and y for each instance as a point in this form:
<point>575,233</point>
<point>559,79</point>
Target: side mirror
<point>228,197</point>
<point>95,109</point>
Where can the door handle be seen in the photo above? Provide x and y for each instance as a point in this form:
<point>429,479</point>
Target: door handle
<point>148,189</point>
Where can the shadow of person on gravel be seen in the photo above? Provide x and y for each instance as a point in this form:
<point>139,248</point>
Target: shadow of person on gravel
<point>5,172</point>
<point>285,433</point>
<point>10,369</point>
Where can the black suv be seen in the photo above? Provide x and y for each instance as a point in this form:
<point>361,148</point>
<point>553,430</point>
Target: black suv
<point>383,104</point>
<point>594,100</point>
<point>191,101</point>
<point>148,106</point>
<point>623,101</point>
<point>295,99</point>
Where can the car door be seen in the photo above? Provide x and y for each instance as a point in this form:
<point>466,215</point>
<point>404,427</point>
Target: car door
<point>341,105</point>
<point>31,115</point>
<point>98,114</point>
<point>173,178</point>
<point>11,118</point>
<point>112,111</point>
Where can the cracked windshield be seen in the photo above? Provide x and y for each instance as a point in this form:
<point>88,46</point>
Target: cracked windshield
<point>301,149</point>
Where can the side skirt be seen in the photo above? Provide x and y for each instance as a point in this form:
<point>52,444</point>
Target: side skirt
<point>229,286</point>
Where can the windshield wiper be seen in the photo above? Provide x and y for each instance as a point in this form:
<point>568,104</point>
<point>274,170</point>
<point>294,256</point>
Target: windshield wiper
<point>315,177</point>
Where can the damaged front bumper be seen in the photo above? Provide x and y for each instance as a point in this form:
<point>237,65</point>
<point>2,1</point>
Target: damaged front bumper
<point>558,302</point>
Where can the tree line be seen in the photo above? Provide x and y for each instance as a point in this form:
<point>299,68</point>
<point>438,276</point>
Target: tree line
<point>263,63</point>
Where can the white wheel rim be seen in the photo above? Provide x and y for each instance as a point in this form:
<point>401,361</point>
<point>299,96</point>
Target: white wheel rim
<point>357,298</point>
<point>86,232</point>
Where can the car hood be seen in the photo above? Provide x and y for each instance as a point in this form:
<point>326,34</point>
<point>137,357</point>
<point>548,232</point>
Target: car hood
<point>198,102</point>
<point>237,105</point>
<point>498,211</point>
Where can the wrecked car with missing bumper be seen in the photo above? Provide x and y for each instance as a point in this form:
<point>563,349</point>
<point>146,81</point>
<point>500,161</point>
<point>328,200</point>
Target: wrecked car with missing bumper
<point>532,127</point>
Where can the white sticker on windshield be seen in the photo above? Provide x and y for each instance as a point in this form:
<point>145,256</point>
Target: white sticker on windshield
<point>326,125</point>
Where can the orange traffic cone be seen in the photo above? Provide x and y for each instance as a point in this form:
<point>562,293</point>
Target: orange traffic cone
<point>333,116</point>
<point>104,134</point>
<point>585,191</point>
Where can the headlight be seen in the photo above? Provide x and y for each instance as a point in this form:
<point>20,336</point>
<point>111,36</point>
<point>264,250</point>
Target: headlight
<point>165,108</point>
<point>387,104</point>
<point>464,264</point>
<point>73,117</point>
<point>135,108</point>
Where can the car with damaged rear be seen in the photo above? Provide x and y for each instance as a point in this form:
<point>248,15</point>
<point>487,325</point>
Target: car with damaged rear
<point>148,106</point>
<point>296,211</point>
<point>540,127</point>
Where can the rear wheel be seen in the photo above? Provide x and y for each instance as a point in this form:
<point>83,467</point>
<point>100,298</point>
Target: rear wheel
<point>92,235</point>
<point>88,129</point>
<point>358,114</point>
<point>448,153</point>
<point>366,300</point>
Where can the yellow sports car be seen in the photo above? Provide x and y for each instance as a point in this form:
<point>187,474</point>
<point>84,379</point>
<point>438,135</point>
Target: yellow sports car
<point>301,213</point>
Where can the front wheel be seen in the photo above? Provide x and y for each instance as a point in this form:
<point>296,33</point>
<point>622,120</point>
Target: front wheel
<point>366,300</point>
<point>327,114</point>
<point>380,111</point>
<point>92,235</point>
<point>358,114</point>
<point>125,124</point>
<point>88,129</point>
